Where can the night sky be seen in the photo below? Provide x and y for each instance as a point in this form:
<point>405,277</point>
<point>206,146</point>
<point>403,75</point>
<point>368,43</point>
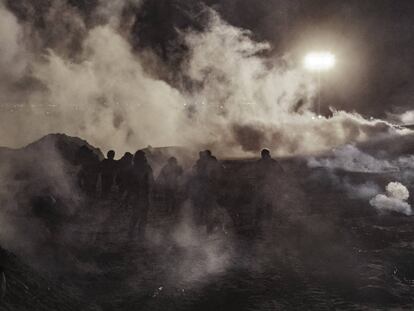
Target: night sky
<point>374,41</point>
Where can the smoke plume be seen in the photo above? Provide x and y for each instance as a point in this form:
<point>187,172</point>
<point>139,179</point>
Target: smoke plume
<point>350,158</point>
<point>395,200</point>
<point>81,75</point>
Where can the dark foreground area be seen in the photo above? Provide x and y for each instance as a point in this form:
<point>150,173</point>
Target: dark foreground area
<point>367,266</point>
<point>322,250</point>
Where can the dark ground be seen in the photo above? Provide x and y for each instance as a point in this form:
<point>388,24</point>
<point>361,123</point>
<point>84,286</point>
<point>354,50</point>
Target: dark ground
<point>323,251</point>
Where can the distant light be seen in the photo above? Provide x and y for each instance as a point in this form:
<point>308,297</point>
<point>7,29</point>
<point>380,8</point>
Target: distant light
<point>319,61</point>
<point>317,117</point>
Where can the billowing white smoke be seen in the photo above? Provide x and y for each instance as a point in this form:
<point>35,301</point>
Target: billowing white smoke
<point>350,158</point>
<point>407,117</point>
<point>398,191</point>
<point>241,103</point>
<point>12,58</point>
<point>20,232</point>
<point>255,101</point>
<point>204,256</point>
<point>109,95</point>
<point>395,200</point>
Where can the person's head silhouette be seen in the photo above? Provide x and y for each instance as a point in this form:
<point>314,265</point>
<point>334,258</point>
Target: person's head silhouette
<point>111,154</point>
<point>266,154</point>
<point>139,157</point>
<point>172,161</point>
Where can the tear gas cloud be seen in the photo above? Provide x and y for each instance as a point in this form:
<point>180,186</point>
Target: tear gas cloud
<point>407,117</point>
<point>395,200</point>
<point>84,78</point>
<point>21,182</point>
<point>349,159</point>
<point>205,256</point>
<point>363,191</point>
<point>352,159</point>
<point>397,191</point>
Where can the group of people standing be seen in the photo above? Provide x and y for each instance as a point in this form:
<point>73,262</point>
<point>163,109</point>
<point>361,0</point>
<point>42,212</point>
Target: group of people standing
<point>132,175</point>
<point>133,179</point>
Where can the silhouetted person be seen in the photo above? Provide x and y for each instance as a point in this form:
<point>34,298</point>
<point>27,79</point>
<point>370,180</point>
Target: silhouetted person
<point>213,170</point>
<point>201,165</point>
<point>125,165</point>
<point>204,186</point>
<point>122,179</point>
<point>267,164</point>
<point>139,190</point>
<point>169,182</point>
<point>89,170</point>
<point>197,187</point>
<point>108,169</point>
<point>267,171</point>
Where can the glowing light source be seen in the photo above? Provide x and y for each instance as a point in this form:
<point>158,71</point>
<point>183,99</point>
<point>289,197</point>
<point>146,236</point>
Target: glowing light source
<point>319,61</point>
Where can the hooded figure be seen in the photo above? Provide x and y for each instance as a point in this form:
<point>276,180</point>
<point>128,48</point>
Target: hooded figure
<point>169,183</point>
<point>89,170</point>
<point>125,166</point>
<point>203,188</point>
<point>140,185</point>
<point>267,174</point>
<point>108,168</point>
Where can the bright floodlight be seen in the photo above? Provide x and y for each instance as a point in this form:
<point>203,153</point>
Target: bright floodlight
<point>319,61</point>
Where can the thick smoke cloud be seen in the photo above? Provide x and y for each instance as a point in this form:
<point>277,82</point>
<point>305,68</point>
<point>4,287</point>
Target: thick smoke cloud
<point>24,176</point>
<point>345,166</point>
<point>407,117</point>
<point>82,76</point>
<point>350,158</point>
<point>12,51</point>
<point>363,191</point>
<point>394,201</point>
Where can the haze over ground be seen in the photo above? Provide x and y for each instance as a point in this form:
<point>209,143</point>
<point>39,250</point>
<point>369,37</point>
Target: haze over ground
<point>220,75</point>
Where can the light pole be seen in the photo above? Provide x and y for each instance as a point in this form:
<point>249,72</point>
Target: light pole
<point>319,61</point>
